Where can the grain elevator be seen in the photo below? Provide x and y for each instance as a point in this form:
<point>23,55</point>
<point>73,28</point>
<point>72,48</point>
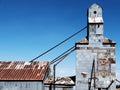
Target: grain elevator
<point>95,55</point>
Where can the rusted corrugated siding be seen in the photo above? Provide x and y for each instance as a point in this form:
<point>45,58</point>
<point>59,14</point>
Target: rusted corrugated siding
<point>23,70</point>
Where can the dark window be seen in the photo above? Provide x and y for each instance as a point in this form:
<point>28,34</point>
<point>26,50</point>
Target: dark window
<point>98,25</point>
<point>95,12</point>
<point>99,88</point>
<point>103,76</point>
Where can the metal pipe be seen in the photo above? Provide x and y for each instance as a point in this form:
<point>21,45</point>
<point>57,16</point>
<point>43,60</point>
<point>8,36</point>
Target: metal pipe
<point>54,67</point>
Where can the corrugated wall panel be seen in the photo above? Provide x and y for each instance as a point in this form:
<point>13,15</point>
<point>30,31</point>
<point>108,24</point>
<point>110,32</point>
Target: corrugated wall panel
<point>59,88</point>
<point>11,85</point>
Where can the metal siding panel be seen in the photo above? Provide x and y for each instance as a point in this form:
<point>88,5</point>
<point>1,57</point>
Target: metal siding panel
<point>21,85</point>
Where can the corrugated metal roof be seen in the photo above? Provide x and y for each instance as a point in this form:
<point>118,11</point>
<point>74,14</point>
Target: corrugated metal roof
<point>23,70</point>
<point>60,80</point>
<point>84,40</point>
<point>105,40</point>
<point>64,81</point>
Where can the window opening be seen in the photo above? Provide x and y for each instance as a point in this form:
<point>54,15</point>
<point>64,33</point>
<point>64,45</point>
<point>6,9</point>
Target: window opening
<point>95,12</point>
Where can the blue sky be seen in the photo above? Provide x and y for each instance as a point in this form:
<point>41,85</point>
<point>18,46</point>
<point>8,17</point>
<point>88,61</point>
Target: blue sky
<point>30,27</point>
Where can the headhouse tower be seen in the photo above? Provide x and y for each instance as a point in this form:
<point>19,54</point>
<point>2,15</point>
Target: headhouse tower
<point>95,55</point>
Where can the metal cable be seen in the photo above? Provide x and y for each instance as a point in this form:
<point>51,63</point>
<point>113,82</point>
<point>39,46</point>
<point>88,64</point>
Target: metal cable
<point>66,53</point>
<point>63,54</point>
<point>117,80</point>
<point>58,61</point>
<point>58,44</point>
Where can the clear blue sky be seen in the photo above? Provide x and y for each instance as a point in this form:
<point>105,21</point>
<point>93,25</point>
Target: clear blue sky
<point>30,27</point>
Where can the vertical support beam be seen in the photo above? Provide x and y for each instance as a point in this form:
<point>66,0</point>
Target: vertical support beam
<point>54,77</point>
<point>93,65</point>
<point>94,74</point>
<point>50,87</point>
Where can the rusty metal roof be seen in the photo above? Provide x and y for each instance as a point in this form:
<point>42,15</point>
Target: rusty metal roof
<point>64,81</point>
<point>20,70</point>
<point>84,40</point>
<point>105,40</point>
<point>60,80</point>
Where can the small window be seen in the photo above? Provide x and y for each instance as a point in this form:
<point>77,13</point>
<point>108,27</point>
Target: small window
<point>103,76</point>
<point>99,40</point>
<point>98,25</point>
<point>99,88</point>
<point>95,12</point>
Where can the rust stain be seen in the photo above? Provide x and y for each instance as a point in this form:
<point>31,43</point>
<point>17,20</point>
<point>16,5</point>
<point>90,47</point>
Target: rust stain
<point>23,70</point>
<point>84,40</point>
<point>112,60</point>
